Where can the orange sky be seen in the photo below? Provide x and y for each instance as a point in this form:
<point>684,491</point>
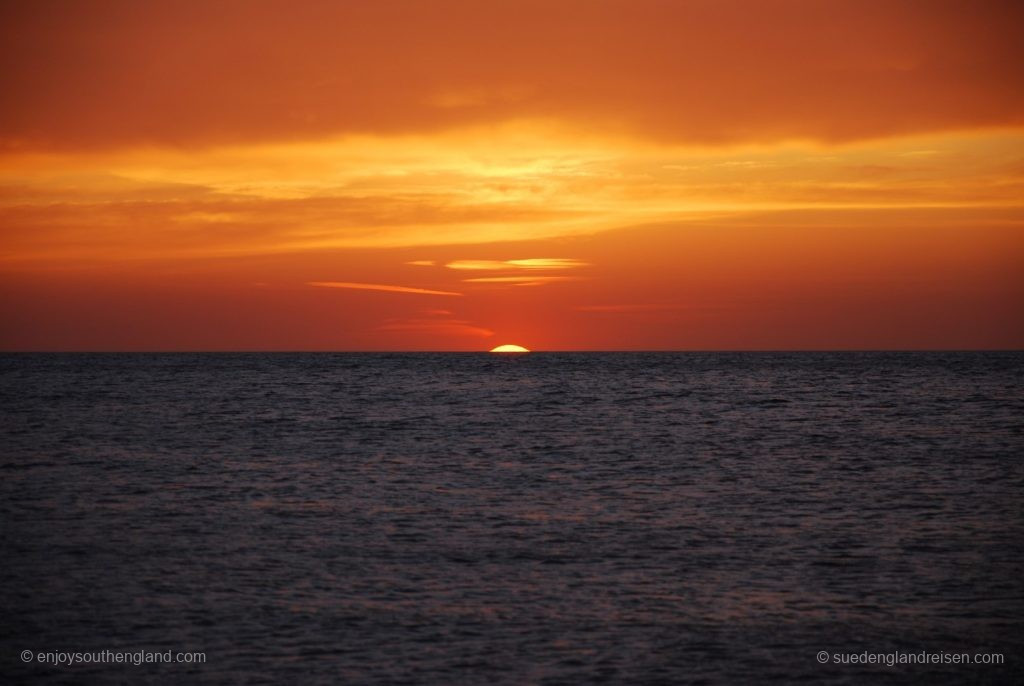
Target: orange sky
<point>582,174</point>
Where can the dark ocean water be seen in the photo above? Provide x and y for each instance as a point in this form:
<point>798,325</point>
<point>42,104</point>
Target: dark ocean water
<point>644,518</point>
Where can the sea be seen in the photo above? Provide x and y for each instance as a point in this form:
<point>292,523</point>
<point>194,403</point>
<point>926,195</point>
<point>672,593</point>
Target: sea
<point>544,518</point>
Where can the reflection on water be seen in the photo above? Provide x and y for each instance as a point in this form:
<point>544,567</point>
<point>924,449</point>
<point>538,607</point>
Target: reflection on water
<point>550,518</point>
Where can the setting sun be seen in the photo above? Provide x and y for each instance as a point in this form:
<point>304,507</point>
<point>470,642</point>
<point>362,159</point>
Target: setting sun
<point>510,349</point>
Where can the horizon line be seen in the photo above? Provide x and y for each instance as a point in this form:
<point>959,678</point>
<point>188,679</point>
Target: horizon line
<point>255,351</point>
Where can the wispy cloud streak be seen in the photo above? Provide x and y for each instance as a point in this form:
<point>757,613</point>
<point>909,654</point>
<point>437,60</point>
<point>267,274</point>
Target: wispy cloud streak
<point>379,287</point>
<point>530,263</point>
<point>522,280</point>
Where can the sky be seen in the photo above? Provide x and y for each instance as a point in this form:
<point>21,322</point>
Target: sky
<point>558,174</point>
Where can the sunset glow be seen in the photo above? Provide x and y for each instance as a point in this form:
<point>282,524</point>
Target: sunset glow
<point>404,175</point>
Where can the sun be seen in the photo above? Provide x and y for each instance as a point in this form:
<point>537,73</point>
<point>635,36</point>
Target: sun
<point>510,349</point>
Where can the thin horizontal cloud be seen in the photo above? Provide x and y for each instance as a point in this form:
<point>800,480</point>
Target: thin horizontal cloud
<point>421,263</point>
<point>548,263</point>
<point>522,280</point>
<point>531,263</point>
<point>378,287</point>
<point>75,224</point>
<point>481,265</point>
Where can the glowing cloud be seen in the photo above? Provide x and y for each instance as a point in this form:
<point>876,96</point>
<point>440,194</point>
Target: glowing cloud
<point>532,263</point>
<point>378,287</point>
<point>522,280</point>
<point>548,263</point>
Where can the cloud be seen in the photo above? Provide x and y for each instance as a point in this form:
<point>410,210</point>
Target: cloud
<point>522,280</point>
<point>503,265</point>
<point>75,224</point>
<point>548,263</point>
<point>64,208</point>
<point>478,264</point>
<point>378,287</point>
<point>192,73</point>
